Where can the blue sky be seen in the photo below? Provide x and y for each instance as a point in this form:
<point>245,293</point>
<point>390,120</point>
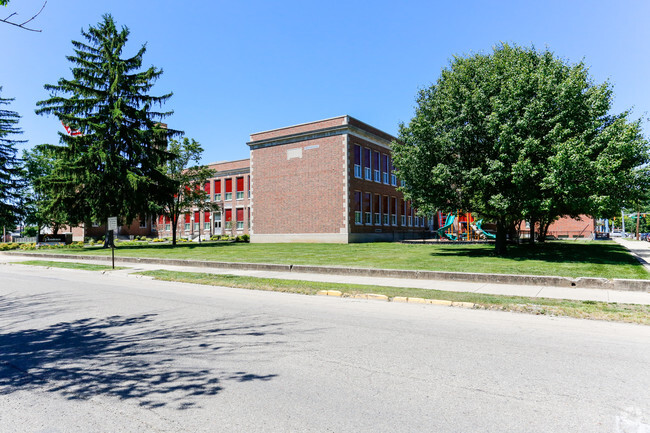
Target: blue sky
<point>241,67</point>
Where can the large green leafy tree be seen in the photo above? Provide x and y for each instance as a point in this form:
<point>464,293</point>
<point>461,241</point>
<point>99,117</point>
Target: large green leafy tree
<point>518,134</point>
<point>188,177</point>
<point>111,163</point>
<point>43,206</point>
<point>11,186</point>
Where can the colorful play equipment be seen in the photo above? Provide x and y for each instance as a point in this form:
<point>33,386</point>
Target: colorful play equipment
<point>446,229</point>
<point>483,232</point>
<point>461,227</point>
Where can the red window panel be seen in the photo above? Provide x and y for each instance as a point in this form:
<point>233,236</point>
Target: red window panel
<point>228,215</point>
<point>217,186</point>
<point>357,155</point>
<point>240,214</point>
<point>366,158</point>
<point>206,187</point>
<point>197,217</point>
<point>357,201</point>
<point>240,184</point>
<point>228,185</point>
<point>161,219</point>
<point>206,216</point>
<point>187,218</point>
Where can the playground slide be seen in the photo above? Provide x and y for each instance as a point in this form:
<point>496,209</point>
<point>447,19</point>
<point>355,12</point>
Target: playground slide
<point>480,230</point>
<point>448,223</point>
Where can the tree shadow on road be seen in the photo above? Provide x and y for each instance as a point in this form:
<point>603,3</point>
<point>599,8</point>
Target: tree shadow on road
<point>140,357</point>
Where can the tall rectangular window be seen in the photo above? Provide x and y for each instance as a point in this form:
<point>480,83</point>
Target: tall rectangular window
<point>240,188</point>
<point>197,221</point>
<point>357,161</point>
<point>377,209</point>
<point>217,190</point>
<point>248,182</point>
<point>384,168</point>
<point>240,218</point>
<point>248,217</point>
<point>384,208</point>
<point>375,166</point>
<point>403,208</point>
<point>229,189</point>
<point>228,219</point>
<point>393,176</point>
<point>367,212</point>
<point>206,220</point>
<point>143,222</point>
<point>367,171</point>
<point>393,209</point>
<point>409,213</point>
<point>188,225</point>
<point>358,218</point>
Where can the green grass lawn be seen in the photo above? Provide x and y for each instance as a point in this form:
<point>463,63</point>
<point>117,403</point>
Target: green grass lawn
<point>69,265</point>
<point>604,259</point>
<point>559,307</point>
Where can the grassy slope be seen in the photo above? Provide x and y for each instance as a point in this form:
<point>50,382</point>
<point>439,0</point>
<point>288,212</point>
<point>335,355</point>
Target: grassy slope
<point>570,259</point>
<point>580,309</point>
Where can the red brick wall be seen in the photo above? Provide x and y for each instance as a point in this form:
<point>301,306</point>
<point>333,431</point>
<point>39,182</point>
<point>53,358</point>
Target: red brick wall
<point>296,129</point>
<point>303,194</point>
<point>370,186</point>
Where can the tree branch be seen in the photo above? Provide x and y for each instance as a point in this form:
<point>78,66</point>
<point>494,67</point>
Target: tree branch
<point>22,25</point>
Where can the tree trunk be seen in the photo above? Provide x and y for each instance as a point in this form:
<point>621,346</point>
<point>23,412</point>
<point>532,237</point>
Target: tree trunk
<point>174,231</point>
<point>531,237</point>
<point>500,247</point>
<point>543,230</point>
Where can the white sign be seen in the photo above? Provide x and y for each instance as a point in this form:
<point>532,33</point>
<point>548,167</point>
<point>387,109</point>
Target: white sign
<point>112,223</point>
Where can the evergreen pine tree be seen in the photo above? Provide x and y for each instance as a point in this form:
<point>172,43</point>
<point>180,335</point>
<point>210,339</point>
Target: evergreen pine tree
<point>110,165</point>
<point>10,167</point>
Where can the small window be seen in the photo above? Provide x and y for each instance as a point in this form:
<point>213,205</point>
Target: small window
<point>197,226</point>
<point>385,176</point>
<point>143,223</point>
<point>393,219</point>
<point>385,219</point>
<point>168,227</point>
<point>187,227</point>
<point>357,171</point>
<point>368,173</point>
<point>228,196</point>
<point>410,221</point>
<point>240,195</point>
<point>393,180</point>
<point>357,217</point>
<point>403,220</point>
<point>368,220</point>
<point>206,226</point>
<point>217,197</point>
<point>402,183</point>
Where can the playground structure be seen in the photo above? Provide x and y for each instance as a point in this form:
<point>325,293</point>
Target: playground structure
<point>462,227</point>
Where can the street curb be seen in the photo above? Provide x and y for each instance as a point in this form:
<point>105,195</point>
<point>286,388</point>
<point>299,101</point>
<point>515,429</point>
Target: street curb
<point>398,299</point>
<point>528,280</point>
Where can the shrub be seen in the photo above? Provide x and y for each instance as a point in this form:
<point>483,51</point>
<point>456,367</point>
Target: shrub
<point>245,238</point>
<point>6,246</point>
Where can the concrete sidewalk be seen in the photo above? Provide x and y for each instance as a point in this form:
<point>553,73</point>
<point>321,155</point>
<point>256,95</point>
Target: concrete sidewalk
<point>603,295</point>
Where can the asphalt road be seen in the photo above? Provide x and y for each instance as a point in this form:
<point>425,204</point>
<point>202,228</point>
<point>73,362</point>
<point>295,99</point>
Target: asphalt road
<point>86,352</point>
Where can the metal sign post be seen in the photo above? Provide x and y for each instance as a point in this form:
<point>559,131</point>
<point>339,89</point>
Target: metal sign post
<point>112,226</point>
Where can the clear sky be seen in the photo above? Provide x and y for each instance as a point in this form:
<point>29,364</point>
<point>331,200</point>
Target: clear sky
<point>240,67</point>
